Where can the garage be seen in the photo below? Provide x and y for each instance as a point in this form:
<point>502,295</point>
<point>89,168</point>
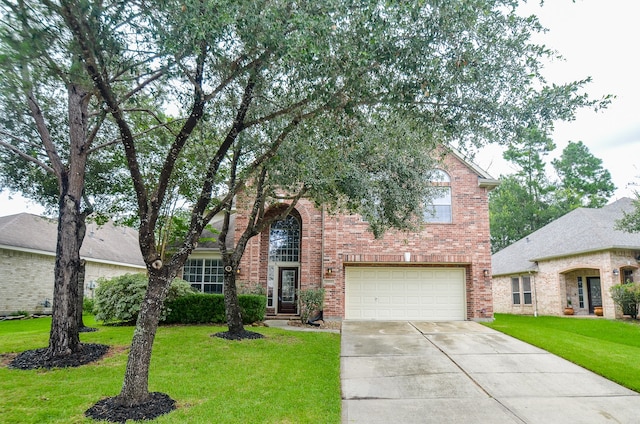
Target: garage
<point>405,293</point>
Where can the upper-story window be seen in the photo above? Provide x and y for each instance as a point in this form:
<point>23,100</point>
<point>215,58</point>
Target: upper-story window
<point>439,207</point>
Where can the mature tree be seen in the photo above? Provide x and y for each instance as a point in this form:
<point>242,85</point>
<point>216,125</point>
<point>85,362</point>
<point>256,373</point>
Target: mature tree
<point>47,133</point>
<point>57,146</point>
<point>583,180</point>
<point>528,200</point>
<point>464,71</point>
<point>520,205</point>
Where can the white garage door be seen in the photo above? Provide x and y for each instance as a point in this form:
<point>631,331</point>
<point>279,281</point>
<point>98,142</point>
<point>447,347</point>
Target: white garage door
<point>430,294</point>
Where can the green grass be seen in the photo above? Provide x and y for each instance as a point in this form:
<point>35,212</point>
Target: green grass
<point>607,347</point>
<point>287,377</point>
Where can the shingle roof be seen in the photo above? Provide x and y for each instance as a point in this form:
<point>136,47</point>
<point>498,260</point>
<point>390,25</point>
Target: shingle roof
<point>108,243</point>
<point>209,238</point>
<point>580,231</point>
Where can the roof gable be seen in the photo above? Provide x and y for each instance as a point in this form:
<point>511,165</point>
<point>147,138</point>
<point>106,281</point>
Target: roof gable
<point>484,179</point>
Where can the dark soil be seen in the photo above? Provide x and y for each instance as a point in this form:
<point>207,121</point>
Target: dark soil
<point>35,359</point>
<point>112,410</point>
<point>239,336</point>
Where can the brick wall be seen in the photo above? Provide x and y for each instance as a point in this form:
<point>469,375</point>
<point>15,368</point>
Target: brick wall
<point>556,279</point>
<point>336,241</point>
<point>27,279</point>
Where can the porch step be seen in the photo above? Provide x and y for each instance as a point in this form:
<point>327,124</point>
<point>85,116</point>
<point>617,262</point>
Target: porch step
<point>282,316</point>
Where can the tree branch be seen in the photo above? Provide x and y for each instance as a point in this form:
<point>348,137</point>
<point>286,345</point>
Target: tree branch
<point>214,164</point>
<point>23,155</point>
<point>41,126</point>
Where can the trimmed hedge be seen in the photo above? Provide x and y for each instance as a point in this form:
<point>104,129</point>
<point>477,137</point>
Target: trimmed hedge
<point>202,308</point>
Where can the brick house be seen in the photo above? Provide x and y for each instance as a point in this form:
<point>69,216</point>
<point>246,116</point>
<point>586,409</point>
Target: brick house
<point>439,273</point>
<point>28,254</point>
<point>576,259</point>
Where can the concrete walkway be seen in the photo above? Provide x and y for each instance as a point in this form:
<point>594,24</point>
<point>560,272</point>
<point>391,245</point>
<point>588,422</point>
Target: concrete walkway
<point>464,372</point>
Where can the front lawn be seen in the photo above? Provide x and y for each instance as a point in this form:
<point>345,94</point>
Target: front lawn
<point>607,347</point>
<point>287,377</point>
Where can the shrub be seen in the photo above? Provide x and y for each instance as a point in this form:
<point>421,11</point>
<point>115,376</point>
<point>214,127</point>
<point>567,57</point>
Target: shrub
<point>253,307</point>
<point>118,299</point>
<point>202,308</point>
<point>87,305</point>
<point>627,298</point>
<point>311,300</point>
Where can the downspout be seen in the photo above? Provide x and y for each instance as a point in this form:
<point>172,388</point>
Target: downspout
<point>322,246</point>
<point>535,294</point>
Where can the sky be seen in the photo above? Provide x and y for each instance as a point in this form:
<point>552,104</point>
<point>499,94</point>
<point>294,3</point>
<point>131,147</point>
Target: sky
<point>596,38</point>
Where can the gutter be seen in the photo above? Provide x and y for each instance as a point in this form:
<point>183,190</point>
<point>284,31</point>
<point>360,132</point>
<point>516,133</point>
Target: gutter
<point>582,252</point>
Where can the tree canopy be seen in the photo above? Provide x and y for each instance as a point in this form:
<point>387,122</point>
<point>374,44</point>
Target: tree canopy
<point>361,80</point>
<point>585,183</point>
<point>529,199</point>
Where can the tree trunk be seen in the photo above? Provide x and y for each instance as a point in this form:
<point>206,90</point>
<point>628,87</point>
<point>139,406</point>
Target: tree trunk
<point>63,337</point>
<point>135,388</point>
<point>79,306</point>
<point>231,303</point>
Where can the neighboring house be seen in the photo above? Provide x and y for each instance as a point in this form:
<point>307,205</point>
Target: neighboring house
<point>439,273</point>
<point>575,258</point>
<point>28,253</point>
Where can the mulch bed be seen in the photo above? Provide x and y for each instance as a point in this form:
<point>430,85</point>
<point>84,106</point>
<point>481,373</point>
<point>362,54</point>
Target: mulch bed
<point>37,358</point>
<point>112,410</point>
<point>244,335</point>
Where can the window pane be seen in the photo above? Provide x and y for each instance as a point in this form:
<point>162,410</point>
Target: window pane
<point>526,290</point>
<point>439,176</point>
<point>284,240</point>
<point>515,290</point>
<point>440,208</point>
<point>526,284</point>
<point>202,272</point>
<point>580,293</point>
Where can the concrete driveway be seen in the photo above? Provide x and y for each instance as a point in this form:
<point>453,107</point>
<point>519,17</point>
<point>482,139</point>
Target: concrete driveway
<point>455,372</point>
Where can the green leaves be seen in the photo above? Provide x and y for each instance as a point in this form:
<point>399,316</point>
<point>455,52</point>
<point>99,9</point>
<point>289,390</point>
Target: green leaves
<point>585,182</point>
<point>631,221</point>
<point>529,199</point>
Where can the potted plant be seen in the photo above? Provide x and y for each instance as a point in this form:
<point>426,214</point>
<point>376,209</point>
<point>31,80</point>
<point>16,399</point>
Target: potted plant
<point>568,310</point>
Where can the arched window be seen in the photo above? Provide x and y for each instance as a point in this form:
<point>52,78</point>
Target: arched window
<point>284,240</point>
<point>438,209</point>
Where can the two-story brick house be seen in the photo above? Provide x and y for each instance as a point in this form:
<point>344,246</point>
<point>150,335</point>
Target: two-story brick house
<point>439,273</point>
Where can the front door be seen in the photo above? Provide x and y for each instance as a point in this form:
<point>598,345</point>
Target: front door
<point>287,287</point>
<point>595,293</point>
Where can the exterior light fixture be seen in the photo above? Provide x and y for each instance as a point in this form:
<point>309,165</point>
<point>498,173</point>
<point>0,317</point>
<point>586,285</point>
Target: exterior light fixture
<point>329,271</point>
<point>485,272</point>
<point>616,272</point>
